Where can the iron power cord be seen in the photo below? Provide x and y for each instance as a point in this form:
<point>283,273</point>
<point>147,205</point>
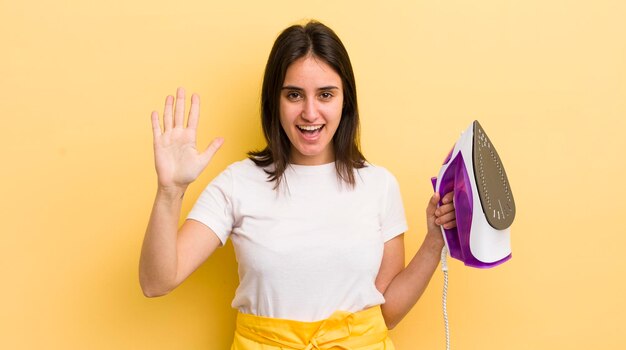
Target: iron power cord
<point>444,268</point>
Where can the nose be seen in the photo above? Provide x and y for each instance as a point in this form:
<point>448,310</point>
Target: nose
<point>309,111</point>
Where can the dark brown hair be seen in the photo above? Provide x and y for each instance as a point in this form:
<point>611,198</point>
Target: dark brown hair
<point>293,43</point>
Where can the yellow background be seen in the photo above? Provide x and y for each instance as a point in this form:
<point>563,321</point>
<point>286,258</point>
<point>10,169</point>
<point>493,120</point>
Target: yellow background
<point>78,80</point>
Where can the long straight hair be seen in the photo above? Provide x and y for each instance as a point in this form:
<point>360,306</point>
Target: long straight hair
<point>293,43</point>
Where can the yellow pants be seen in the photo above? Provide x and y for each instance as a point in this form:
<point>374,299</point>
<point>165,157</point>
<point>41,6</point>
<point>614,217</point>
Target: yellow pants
<point>363,330</point>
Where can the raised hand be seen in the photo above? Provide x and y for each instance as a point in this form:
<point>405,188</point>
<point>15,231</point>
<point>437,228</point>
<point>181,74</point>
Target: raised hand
<point>178,163</point>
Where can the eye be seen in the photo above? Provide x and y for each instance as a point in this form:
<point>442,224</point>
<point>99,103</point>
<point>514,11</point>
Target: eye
<point>326,95</point>
<point>294,96</point>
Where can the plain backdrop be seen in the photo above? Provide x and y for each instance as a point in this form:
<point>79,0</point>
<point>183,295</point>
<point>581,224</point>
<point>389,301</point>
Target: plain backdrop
<point>79,79</point>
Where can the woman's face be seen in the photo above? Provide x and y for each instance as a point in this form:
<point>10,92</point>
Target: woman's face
<point>311,101</point>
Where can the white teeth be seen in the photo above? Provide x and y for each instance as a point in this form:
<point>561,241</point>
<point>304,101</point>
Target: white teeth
<point>310,127</point>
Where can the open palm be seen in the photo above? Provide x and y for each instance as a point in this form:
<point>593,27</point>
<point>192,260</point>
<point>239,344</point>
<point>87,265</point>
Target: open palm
<point>177,161</point>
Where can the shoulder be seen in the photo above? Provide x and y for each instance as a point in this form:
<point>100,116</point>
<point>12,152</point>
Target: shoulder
<point>246,172</point>
<point>241,165</point>
<point>244,167</point>
<point>372,172</point>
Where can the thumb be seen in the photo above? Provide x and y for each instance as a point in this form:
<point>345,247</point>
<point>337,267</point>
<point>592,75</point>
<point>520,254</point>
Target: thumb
<point>432,204</point>
<point>211,149</point>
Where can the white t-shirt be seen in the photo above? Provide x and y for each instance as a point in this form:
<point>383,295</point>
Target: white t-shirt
<point>310,248</point>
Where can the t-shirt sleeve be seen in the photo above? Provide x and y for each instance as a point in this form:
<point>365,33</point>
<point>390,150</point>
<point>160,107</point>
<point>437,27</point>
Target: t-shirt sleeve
<point>393,219</point>
<point>214,206</point>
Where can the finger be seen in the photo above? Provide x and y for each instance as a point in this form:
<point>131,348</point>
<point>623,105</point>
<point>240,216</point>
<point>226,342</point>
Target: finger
<point>179,111</point>
<point>449,225</point>
<point>444,219</point>
<point>432,204</point>
<point>444,209</point>
<point>194,112</point>
<point>448,198</point>
<point>156,128</point>
<point>212,149</point>
<point>167,113</point>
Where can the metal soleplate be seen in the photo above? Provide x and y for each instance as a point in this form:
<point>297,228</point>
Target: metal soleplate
<point>494,190</point>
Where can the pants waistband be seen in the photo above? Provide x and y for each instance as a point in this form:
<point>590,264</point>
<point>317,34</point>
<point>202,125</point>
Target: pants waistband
<point>343,330</point>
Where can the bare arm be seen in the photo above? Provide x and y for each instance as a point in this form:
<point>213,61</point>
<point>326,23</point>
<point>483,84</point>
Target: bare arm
<point>402,287</point>
<point>170,255</point>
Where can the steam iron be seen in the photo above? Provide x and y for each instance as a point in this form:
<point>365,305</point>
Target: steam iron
<point>483,201</point>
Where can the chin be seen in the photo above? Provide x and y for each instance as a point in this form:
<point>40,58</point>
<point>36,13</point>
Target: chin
<point>312,156</point>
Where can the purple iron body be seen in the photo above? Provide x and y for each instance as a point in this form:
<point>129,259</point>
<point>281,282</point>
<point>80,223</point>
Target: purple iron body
<point>483,201</point>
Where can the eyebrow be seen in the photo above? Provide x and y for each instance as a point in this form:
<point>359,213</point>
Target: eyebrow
<point>291,87</point>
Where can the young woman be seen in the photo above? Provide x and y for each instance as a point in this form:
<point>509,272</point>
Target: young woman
<point>317,231</point>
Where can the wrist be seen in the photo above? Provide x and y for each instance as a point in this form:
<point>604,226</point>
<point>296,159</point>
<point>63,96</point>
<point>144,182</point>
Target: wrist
<point>433,242</point>
<point>171,192</point>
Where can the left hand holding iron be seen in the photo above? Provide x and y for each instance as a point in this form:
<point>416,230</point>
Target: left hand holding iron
<point>443,215</point>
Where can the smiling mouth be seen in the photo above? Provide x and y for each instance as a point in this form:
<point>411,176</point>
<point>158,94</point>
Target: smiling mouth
<point>310,129</point>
